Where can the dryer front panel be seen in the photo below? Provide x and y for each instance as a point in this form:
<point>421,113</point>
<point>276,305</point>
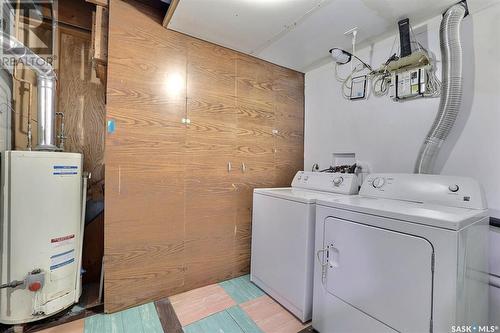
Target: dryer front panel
<point>386,274</point>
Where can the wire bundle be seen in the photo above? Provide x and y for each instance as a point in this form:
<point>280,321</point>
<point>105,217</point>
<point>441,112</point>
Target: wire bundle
<point>380,79</point>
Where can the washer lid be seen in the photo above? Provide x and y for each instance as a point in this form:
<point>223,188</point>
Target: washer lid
<point>298,195</point>
<point>435,215</point>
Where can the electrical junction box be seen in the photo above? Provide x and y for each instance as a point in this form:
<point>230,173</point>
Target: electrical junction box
<point>358,87</point>
<point>408,83</point>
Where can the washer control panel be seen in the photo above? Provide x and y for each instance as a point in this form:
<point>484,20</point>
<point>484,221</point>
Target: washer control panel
<point>446,190</point>
<point>378,182</point>
<point>345,183</point>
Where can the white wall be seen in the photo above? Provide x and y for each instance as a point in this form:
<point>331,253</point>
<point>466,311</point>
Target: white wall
<point>388,135</point>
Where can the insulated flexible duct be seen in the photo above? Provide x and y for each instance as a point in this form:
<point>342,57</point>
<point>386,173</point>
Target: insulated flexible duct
<point>451,89</point>
<point>46,88</point>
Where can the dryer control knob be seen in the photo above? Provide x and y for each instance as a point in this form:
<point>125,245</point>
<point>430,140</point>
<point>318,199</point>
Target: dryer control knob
<point>337,181</point>
<point>378,182</point>
<point>453,188</point>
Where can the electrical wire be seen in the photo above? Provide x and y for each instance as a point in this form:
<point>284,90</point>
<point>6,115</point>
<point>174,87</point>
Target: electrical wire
<point>433,88</point>
<point>380,83</point>
<point>347,82</point>
<point>433,84</point>
<point>380,79</point>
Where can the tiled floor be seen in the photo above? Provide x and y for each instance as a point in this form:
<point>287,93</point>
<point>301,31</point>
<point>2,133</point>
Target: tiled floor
<point>241,308</point>
<point>234,306</point>
<point>200,303</point>
<point>141,319</point>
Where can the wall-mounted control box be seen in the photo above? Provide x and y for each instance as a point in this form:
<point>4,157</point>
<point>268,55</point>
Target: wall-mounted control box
<point>408,83</point>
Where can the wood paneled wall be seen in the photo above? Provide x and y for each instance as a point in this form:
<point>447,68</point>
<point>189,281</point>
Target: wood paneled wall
<point>80,95</point>
<point>177,216</point>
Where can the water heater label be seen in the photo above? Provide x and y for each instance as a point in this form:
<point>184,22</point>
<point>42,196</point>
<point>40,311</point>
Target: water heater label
<point>62,259</point>
<point>63,241</point>
<point>62,170</point>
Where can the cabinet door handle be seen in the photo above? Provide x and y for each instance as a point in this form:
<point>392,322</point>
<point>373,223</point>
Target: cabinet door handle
<point>229,167</point>
<point>243,167</point>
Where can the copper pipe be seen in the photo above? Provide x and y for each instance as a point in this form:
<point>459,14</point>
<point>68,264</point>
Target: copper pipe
<point>61,136</point>
<point>30,93</point>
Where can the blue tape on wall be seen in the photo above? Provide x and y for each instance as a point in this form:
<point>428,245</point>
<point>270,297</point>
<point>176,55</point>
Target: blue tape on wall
<point>111,126</point>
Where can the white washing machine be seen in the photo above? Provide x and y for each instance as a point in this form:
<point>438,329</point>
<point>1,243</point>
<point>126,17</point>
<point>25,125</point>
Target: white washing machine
<point>409,254</point>
<point>283,229</point>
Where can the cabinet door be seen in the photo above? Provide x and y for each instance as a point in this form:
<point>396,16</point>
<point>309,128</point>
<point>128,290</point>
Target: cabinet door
<point>288,87</point>
<point>144,217</point>
<point>209,178</point>
<point>255,119</point>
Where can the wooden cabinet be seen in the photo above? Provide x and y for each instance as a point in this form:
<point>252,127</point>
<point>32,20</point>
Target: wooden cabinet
<point>210,149</point>
<point>198,127</point>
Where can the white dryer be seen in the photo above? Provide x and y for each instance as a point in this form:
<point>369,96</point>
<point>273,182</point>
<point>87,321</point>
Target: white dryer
<point>409,254</point>
<point>282,258</point>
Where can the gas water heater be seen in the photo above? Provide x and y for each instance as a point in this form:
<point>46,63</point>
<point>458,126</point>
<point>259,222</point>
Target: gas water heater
<point>41,233</point>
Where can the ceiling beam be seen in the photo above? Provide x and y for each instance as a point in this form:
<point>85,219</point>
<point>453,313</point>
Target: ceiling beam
<point>170,12</point>
<point>103,3</point>
<point>75,13</point>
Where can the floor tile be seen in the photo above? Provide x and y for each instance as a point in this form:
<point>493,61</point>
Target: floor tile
<point>241,289</point>
<point>72,327</point>
<point>197,304</point>
<point>140,319</point>
<point>150,321</point>
<point>167,316</point>
<point>243,320</point>
<point>220,322</point>
<point>271,317</point>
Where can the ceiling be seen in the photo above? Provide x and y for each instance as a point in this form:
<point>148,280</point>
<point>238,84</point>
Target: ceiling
<point>297,33</point>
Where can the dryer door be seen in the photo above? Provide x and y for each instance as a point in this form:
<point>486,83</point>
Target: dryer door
<point>386,274</point>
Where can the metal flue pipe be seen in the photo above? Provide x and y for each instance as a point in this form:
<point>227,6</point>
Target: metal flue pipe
<point>46,88</point>
<point>451,89</point>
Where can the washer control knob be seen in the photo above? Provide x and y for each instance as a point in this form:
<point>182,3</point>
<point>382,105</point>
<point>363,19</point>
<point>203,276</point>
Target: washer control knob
<point>306,178</point>
<point>453,188</point>
<point>378,182</point>
<point>337,181</point>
